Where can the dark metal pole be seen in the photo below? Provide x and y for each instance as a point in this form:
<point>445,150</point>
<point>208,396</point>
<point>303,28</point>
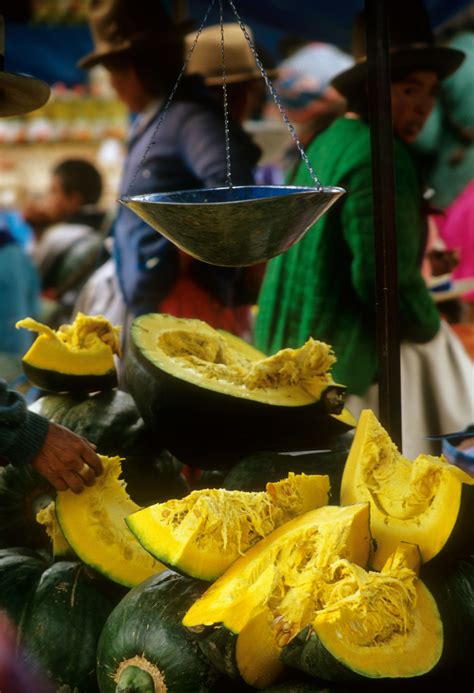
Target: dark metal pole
<point>387,311</point>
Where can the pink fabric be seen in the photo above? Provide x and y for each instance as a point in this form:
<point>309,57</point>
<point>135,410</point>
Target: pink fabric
<point>456,228</point>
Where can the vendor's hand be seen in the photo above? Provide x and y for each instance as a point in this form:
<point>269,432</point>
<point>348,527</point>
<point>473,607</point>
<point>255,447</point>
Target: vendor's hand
<point>66,460</point>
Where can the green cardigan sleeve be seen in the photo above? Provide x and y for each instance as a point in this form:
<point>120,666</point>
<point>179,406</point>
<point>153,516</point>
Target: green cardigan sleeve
<point>22,433</point>
<point>419,317</point>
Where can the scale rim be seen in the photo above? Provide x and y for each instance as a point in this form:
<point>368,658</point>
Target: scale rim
<point>292,190</point>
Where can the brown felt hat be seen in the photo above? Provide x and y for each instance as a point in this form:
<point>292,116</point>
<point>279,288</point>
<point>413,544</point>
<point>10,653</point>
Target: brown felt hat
<point>19,93</point>
<point>120,26</point>
<point>412,47</point>
<point>206,60</point>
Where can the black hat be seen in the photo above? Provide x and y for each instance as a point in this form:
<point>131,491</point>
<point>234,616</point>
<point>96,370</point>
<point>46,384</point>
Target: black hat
<point>119,26</point>
<point>412,46</point>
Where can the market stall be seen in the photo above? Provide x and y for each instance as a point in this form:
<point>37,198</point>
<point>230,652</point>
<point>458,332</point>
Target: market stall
<point>242,534</point>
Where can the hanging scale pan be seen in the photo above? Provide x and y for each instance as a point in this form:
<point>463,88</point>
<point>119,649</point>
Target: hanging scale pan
<point>235,226</point>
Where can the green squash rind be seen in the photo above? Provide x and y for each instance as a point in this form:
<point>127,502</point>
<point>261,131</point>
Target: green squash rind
<point>307,654</point>
<point>20,572</point>
<point>108,419</point>
<point>218,646</point>
<point>22,493</point>
<point>253,472</point>
<point>59,610</point>
<point>147,623</point>
<point>54,381</point>
<point>61,627</point>
<point>452,586</point>
<point>112,422</point>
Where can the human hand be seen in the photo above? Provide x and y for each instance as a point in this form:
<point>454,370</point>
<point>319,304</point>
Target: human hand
<point>66,460</point>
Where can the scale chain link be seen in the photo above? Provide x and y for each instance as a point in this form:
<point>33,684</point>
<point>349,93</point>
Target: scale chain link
<point>276,98</point>
<point>226,103</point>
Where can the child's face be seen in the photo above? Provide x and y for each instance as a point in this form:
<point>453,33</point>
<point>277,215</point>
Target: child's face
<point>58,204</point>
<point>413,99</point>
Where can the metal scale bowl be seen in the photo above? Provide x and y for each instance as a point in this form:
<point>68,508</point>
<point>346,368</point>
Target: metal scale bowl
<point>236,225</point>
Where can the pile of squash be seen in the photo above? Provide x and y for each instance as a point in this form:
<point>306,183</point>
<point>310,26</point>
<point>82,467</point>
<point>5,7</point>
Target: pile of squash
<point>344,571</point>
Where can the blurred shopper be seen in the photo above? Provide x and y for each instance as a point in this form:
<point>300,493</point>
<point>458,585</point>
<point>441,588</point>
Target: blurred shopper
<point>143,52</point>
<point>63,458</point>
<point>66,253</point>
<point>19,296</point>
<point>324,286</point>
<point>305,90</point>
<point>245,86</point>
<point>446,144</point>
<point>19,283</point>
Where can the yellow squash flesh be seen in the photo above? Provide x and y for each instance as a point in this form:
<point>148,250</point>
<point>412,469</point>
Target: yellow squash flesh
<point>48,518</point>
<point>416,502</point>
<point>204,533</point>
<point>86,347</point>
<point>93,523</point>
<point>380,625</point>
<point>270,594</point>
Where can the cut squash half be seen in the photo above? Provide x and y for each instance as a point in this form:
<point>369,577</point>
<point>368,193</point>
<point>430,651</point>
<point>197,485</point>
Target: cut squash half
<point>93,523</point>
<point>202,534</point>
<point>185,375</point>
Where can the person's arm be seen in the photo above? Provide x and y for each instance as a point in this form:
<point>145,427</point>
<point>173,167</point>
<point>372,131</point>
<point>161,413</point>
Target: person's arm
<point>419,317</point>
<point>22,433</point>
<point>65,459</point>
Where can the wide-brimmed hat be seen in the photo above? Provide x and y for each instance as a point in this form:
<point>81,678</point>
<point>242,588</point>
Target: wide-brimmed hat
<point>412,46</point>
<point>19,93</point>
<point>206,59</point>
<point>120,26</point>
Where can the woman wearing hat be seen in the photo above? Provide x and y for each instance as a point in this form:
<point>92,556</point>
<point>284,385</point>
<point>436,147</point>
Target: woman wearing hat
<point>143,53</point>
<point>324,286</point>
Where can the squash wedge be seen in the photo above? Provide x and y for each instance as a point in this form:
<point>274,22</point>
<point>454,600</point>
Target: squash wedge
<point>202,534</point>
<point>415,502</point>
<point>93,523</point>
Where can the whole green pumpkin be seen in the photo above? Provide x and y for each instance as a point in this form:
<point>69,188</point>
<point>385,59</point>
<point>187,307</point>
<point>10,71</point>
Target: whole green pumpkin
<point>59,610</point>
<point>144,648</point>
<point>23,492</point>
<point>111,421</point>
<point>253,472</point>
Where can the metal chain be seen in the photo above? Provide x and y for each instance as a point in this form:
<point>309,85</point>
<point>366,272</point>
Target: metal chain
<point>276,98</point>
<point>164,112</point>
<point>226,103</point>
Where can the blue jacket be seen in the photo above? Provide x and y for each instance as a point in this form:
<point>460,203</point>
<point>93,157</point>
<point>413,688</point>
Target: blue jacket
<point>19,292</point>
<point>188,151</point>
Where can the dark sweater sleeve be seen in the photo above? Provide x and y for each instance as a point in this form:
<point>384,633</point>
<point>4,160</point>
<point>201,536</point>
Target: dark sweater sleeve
<point>22,433</point>
<point>419,317</point>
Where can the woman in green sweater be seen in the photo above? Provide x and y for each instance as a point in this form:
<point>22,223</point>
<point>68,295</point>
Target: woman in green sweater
<point>324,286</point>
